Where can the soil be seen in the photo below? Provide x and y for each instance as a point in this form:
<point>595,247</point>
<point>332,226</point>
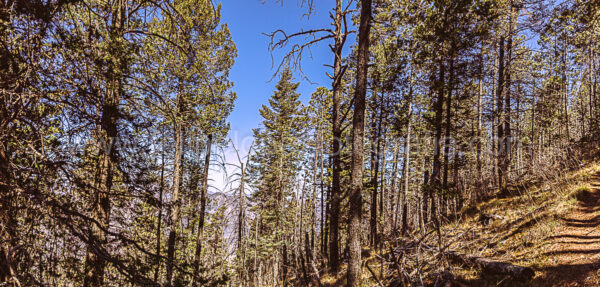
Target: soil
<point>575,247</point>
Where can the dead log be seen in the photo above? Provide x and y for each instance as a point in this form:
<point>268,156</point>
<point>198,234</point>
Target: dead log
<point>491,267</point>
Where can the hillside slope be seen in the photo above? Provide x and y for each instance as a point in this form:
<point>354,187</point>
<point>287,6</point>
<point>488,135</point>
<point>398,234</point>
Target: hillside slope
<point>552,228</point>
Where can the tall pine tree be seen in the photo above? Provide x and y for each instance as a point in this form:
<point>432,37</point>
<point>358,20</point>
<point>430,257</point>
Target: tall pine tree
<point>274,169</point>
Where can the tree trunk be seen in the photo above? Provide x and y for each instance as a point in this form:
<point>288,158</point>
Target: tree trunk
<point>479,118</point>
<point>382,192</point>
<point>434,182</point>
<point>406,164</point>
<point>175,200</point>
<point>340,37</point>
<point>160,210</point>
<point>565,89</point>
<point>95,261</point>
<point>448,130</point>
<point>315,173</point>
<point>501,118</point>
<point>395,191</point>
<point>242,199</point>
<point>375,145</point>
<point>508,98</point>
<point>358,126</point>
<point>202,209</point>
<point>241,221</point>
<point>592,86</point>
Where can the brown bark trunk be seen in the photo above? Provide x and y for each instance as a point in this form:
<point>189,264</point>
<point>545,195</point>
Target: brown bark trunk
<point>358,126</point>
<point>394,191</point>
<point>340,37</point>
<point>479,118</point>
<point>406,164</point>
<point>375,146</point>
<point>500,114</point>
<point>406,168</point>
<point>447,131</point>
<point>434,182</point>
<point>175,201</point>
<point>507,105</point>
<point>382,192</point>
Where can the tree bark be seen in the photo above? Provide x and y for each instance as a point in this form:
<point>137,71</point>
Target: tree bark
<point>508,98</point>
<point>340,37</point>
<point>434,182</point>
<point>241,220</point>
<point>375,146</point>
<point>395,191</point>
<point>202,209</point>
<point>448,126</point>
<point>175,200</point>
<point>358,126</point>
<point>500,115</point>
<point>406,164</point>
<point>160,211</point>
<point>479,119</point>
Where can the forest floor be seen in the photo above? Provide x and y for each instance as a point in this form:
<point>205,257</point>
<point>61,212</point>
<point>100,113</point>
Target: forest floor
<point>575,246</point>
<point>553,228</point>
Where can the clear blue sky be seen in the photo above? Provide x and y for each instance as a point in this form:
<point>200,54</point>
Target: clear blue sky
<point>252,72</point>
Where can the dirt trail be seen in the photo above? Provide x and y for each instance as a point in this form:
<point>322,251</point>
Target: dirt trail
<point>575,247</point>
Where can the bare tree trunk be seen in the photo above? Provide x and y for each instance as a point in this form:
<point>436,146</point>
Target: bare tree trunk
<point>447,131</point>
<point>202,209</point>
<point>382,192</point>
<point>241,219</point>
<point>358,126</point>
<point>439,111</point>
<point>175,200</point>
<point>495,117</point>
<point>406,164</point>
<point>592,90</point>
<point>405,171</point>
<point>338,72</point>
<point>565,89</point>
<point>506,158</point>
<point>160,211</point>
<point>533,139</point>
<point>508,97</point>
<point>501,117</point>
<point>315,173</point>
<point>479,118</point>
<point>394,190</point>
<point>375,146</point>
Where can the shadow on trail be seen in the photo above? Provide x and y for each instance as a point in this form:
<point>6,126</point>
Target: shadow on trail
<point>564,274</point>
<point>577,240</point>
<point>574,236</point>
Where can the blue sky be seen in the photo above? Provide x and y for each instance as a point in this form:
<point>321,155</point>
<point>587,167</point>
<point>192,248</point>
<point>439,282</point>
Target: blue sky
<point>252,72</point>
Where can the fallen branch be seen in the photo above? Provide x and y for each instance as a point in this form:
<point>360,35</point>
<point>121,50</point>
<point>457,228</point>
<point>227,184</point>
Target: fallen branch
<point>492,267</point>
<point>373,273</point>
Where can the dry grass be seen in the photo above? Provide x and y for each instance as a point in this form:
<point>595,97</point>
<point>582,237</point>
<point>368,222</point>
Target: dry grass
<point>524,229</point>
<point>522,233</point>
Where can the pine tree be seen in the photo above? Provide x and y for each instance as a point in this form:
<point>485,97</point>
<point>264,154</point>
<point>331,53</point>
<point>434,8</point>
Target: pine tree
<point>274,168</point>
